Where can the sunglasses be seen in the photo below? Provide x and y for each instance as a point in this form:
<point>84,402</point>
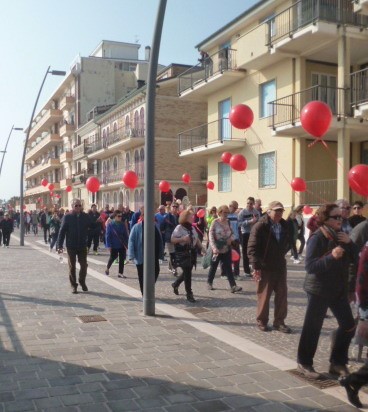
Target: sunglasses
<point>175,207</point>
<point>336,217</point>
<point>119,216</point>
<point>357,207</point>
<point>77,205</point>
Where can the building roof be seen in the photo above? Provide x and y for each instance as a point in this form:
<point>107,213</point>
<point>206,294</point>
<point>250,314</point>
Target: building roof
<point>232,22</point>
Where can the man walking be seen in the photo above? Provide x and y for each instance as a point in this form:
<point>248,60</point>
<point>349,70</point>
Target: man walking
<point>246,219</point>
<point>94,229</point>
<point>267,247</point>
<point>74,228</point>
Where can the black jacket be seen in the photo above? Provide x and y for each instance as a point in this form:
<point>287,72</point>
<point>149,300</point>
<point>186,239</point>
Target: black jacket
<point>7,226</point>
<point>75,228</point>
<point>326,276</point>
<point>264,250</point>
<point>95,226</point>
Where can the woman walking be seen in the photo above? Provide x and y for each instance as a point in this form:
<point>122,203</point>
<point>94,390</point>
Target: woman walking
<point>7,227</point>
<point>220,238</point>
<point>117,242</point>
<point>329,253</point>
<point>54,224</point>
<point>186,241</point>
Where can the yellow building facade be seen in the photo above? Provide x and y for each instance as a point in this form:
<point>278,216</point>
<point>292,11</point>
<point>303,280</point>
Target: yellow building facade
<point>276,57</point>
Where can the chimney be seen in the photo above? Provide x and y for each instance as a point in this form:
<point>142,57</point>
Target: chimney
<point>140,83</point>
<point>147,54</point>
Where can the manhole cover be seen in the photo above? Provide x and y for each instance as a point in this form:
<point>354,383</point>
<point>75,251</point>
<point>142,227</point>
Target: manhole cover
<point>194,311</point>
<point>323,383</point>
<point>91,318</point>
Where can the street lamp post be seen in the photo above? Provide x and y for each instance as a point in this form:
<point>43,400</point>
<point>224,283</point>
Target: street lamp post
<point>6,145</point>
<point>149,172</point>
<point>54,73</point>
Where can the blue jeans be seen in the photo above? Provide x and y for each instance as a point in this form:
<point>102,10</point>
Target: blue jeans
<point>225,258</point>
<point>313,321</point>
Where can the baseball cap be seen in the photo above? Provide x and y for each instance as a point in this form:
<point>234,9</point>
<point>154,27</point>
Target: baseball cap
<point>275,205</point>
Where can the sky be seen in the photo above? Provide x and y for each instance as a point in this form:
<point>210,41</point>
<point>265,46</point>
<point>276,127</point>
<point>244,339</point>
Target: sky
<point>42,33</point>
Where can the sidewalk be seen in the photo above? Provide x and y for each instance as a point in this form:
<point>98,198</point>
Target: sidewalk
<point>175,361</point>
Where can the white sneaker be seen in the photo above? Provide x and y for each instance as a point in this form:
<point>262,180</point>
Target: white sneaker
<point>296,261</point>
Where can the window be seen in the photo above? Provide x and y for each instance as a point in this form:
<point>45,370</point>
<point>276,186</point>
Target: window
<point>267,169</point>
<point>127,161</point>
<point>115,164</point>
<point>326,90</point>
<point>224,177</point>
<point>224,124</point>
<point>127,125</point>
<point>141,122</point>
<point>267,94</point>
<point>136,120</point>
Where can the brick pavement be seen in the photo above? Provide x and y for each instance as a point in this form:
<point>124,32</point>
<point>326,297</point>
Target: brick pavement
<point>51,361</point>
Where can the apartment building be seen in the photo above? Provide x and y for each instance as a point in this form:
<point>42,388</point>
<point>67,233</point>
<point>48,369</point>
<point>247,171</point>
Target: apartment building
<point>113,142</point>
<point>99,80</point>
<point>276,57</point>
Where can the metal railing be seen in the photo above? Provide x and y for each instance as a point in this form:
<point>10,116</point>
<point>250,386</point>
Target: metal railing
<point>219,62</point>
<point>319,192</point>
<point>217,131</point>
<point>359,87</point>
<point>306,12</point>
<point>286,110</point>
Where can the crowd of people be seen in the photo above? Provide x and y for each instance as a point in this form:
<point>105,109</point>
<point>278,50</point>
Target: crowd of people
<point>336,260</point>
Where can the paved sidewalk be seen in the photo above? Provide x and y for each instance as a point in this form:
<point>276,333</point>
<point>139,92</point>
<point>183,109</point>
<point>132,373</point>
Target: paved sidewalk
<point>174,361</point>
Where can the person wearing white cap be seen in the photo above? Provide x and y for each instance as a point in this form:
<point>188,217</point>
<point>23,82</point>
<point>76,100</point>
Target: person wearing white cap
<point>267,247</point>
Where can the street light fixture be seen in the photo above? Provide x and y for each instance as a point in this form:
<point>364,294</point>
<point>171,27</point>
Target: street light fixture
<point>54,73</point>
<point>6,146</point>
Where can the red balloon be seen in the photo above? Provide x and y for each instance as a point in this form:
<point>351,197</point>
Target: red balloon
<point>93,184</point>
<point>238,162</point>
<point>358,179</point>
<point>210,185</point>
<point>51,186</point>
<point>234,255</point>
<point>186,178</point>
<point>316,118</point>
<point>307,210</point>
<point>201,213</point>
<point>58,196</point>
<point>44,182</point>
<point>130,179</point>
<point>241,116</point>
<point>298,184</point>
<point>225,157</point>
<point>164,186</point>
<point>68,189</point>
<point>39,200</point>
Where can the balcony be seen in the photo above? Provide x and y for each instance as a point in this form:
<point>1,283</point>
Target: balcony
<point>48,119</point>
<point>45,142</point>
<point>361,6</point>
<point>285,113</point>
<point>32,190</point>
<point>43,167</point>
<point>67,102</point>
<point>67,130</point>
<point>359,93</point>
<point>122,139</point>
<point>212,73</point>
<point>319,192</point>
<point>66,156</point>
<point>79,151</point>
<point>65,182</point>
<point>210,138</point>
<point>308,28</point>
<point>81,177</point>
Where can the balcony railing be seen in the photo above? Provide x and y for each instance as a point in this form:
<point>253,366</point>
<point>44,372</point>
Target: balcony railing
<point>319,191</point>
<point>286,110</point>
<point>306,12</point>
<point>359,87</point>
<point>82,176</point>
<point>79,151</point>
<point>217,131</point>
<point>219,62</point>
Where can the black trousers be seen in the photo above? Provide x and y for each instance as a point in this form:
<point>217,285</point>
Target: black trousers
<point>46,233</point>
<point>313,321</point>
<point>186,277</point>
<point>140,273</point>
<point>302,243</point>
<point>81,255</point>
<point>95,238</point>
<point>6,237</point>
<point>245,239</point>
<point>113,255</point>
<point>1,236</point>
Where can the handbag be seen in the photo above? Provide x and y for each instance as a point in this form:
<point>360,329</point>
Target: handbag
<point>207,258</point>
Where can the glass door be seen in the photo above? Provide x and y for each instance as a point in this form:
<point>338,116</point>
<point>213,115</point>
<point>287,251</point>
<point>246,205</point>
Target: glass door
<point>224,122</point>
